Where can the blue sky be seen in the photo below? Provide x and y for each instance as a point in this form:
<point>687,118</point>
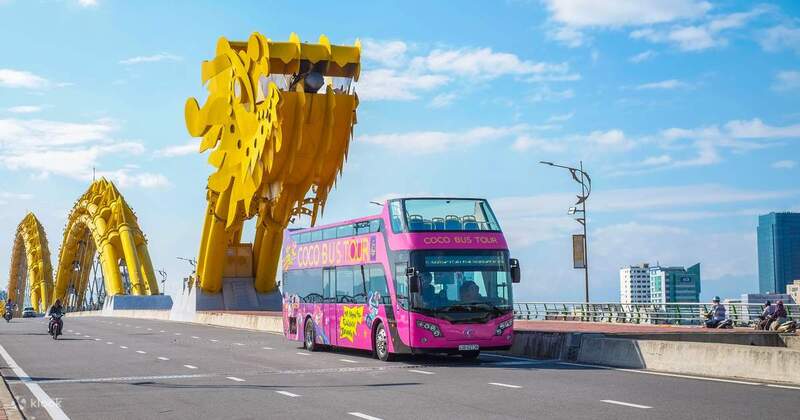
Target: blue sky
<point>685,113</point>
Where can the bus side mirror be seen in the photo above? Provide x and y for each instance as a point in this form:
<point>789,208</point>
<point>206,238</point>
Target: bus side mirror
<point>413,280</point>
<point>515,272</point>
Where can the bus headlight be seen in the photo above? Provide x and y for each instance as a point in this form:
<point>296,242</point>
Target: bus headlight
<point>433,328</point>
<point>503,326</point>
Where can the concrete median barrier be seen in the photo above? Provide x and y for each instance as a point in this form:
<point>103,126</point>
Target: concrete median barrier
<point>770,364</point>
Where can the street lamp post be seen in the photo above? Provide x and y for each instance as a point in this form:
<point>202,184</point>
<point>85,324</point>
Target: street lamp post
<point>581,177</point>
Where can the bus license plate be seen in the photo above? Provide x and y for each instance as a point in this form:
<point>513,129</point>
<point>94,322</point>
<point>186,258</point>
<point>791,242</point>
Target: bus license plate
<point>468,347</point>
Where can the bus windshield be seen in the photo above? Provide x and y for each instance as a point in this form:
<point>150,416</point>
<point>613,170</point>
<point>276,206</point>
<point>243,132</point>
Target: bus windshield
<point>462,281</point>
<point>449,214</point>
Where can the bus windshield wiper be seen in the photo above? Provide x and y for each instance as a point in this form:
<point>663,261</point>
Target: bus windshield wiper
<point>452,308</point>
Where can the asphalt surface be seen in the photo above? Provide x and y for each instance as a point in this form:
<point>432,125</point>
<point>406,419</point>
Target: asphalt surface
<point>115,368</point>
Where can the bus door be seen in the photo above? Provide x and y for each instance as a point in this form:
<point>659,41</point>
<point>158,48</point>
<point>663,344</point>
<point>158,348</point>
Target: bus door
<point>350,296</point>
<point>329,306</point>
<point>401,313</point>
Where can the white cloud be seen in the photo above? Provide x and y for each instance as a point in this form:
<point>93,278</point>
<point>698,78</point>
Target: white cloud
<point>780,37</point>
<point>426,142</point>
<point>561,117</point>
<point>150,58</point>
<point>755,128</point>
<point>642,56</point>
<point>483,63</point>
<point>545,94</point>
<point>8,197</point>
<point>124,178</point>
<point>387,53</point>
<point>22,79</point>
<point>624,12</point>
<point>24,109</point>
<point>703,36</point>
<point>87,3</point>
<point>787,80</point>
<point>391,84</point>
<point>442,100</point>
<point>181,150</point>
<point>44,147</point>
<point>784,164</point>
<point>567,35</point>
<point>527,142</point>
<point>664,84</point>
<point>405,78</point>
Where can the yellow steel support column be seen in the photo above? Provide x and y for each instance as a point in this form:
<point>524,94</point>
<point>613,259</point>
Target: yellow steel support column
<point>131,260</point>
<point>216,246</point>
<point>146,267</point>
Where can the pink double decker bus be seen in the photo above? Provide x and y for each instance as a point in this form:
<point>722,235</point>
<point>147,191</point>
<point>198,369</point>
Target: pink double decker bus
<point>426,275</point>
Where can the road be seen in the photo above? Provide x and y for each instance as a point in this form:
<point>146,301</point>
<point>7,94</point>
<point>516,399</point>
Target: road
<point>115,368</point>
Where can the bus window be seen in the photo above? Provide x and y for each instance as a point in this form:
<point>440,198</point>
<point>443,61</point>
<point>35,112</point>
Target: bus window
<point>362,228</point>
<point>344,231</point>
<point>374,225</point>
<point>401,284</point>
<point>377,282</point>
<point>329,233</point>
<point>305,238</point>
<point>359,292</point>
<point>328,282</point>
<point>396,215</point>
<point>344,284</point>
<point>316,236</point>
<point>306,284</point>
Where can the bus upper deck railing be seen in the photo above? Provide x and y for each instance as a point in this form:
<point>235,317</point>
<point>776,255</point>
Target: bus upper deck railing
<point>641,313</point>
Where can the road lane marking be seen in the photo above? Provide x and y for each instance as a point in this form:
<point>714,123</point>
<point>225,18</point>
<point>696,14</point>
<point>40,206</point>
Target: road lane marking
<point>212,340</point>
<point>124,379</point>
<point>177,333</point>
<point>162,331</point>
<point>69,330</point>
<point>109,342</point>
<point>424,372</point>
<point>235,379</point>
<point>348,361</point>
<point>162,358</point>
<point>783,386</point>
<point>98,339</point>
<point>45,401</point>
<point>149,329</point>
<point>504,385</point>
<point>303,354</point>
<point>88,336</point>
<point>138,327</point>
<point>141,352</point>
<point>190,367</point>
<point>626,404</point>
<point>287,393</point>
<point>123,347</point>
<point>238,344</point>
<point>674,375</point>
<point>195,337</point>
<point>364,416</point>
<point>267,348</point>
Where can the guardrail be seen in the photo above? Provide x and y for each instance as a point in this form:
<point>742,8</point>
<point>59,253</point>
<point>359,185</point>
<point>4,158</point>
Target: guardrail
<point>641,313</point>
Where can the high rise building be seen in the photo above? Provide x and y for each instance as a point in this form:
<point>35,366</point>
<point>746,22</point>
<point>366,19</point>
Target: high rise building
<point>793,290</point>
<point>634,284</point>
<point>675,284</point>
<point>778,251</point>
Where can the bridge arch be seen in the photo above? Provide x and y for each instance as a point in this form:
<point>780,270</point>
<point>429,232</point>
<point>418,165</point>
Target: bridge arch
<point>30,265</point>
<point>102,224</point>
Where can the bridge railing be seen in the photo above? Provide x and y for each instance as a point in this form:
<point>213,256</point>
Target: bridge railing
<point>641,313</point>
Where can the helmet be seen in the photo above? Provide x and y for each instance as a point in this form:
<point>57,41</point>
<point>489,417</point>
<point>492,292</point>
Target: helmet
<point>716,299</point>
<point>767,303</point>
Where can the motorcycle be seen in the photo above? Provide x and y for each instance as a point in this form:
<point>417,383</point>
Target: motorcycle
<point>56,324</point>
<point>725,324</point>
<point>7,315</point>
<point>787,327</point>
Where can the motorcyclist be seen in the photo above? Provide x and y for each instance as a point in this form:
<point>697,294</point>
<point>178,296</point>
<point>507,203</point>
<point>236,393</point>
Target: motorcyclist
<point>9,308</point>
<point>716,315</point>
<point>766,316</point>
<point>56,309</point>
<point>779,317</point>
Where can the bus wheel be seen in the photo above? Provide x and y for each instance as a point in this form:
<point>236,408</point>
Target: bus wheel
<point>310,341</point>
<point>380,344</point>
<point>471,355</point>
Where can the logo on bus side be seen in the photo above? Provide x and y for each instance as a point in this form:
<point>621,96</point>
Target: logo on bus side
<point>466,240</point>
<point>340,252</point>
